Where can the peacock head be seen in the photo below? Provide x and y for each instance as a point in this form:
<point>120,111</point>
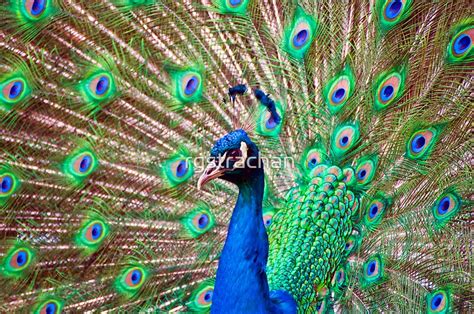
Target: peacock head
<point>234,158</point>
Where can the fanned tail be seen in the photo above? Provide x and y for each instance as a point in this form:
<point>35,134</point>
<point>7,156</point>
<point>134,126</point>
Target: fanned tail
<point>109,108</point>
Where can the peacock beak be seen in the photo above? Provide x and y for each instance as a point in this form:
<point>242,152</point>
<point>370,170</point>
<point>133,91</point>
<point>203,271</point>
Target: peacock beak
<point>212,172</point>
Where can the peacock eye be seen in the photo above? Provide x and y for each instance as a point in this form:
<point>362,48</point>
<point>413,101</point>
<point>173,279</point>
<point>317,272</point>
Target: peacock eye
<point>234,3</point>
<point>49,306</point>
<point>201,298</point>
<point>100,85</point>
<point>202,221</point>
<point>131,280</point>
<point>438,301</point>
<point>393,9</point>
<point>234,154</point>
<point>34,9</point>
<point>17,260</point>
<point>188,85</point>
<point>92,234</point>
<point>198,221</point>
<point>8,184</point>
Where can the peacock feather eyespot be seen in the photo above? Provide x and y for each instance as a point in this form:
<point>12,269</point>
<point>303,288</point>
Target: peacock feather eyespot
<point>187,85</point>
<point>460,46</point>
<point>344,138</point>
<point>323,305</point>
<point>389,87</point>
<point>236,7</point>
<point>375,211</point>
<point>201,297</point>
<point>438,301</point>
<point>266,124</point>
<point>391,12</point>
<point>199,221</point>
<point>313,156</point>
<point>81,164</point>
<point>18,259</point>
<point>339,277</point>
<point>91,234</point>
<point>445,208</point>
<point>300,34</point>
<point>131,280</point>
<point>268,217</point>
<point>36,10</point>
<point>178,168</point>
<point>393,9</point>
<point>49,305</point>
<point>365,170</point>
<point>13,90</point>
<point>9,184</point>
<point>338,90</point>
<point>352,244</point>
<point>372,270</point>
<point>421,143</point>
<point>98,87</point>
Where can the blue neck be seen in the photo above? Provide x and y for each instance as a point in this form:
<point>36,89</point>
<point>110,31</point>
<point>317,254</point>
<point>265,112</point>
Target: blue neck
<point>241,282</point>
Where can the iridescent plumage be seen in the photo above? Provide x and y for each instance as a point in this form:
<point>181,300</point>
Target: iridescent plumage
<point>362,111</point>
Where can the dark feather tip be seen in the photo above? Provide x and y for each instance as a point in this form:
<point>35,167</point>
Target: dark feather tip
<point>239,89</point>
<point>269,103</point>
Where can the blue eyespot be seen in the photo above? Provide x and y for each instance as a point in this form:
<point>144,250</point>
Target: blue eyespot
<point>15,90</point>
<point>203,221</point>
<point>51,308</point>
<point>235,2</point>
<point>444,205</point>
<point>373,210</point>
<point>85,163</point>
<point>7,183</point>
<point>436,301</point>
<point>136,277</point>
<point>21,258</point>
<point>96,231</point>
<point>361,174</point>
<point>312,163</point>
<point>270,124</point>
<point>418,143</point>
<point>181,169</point>
<point>319,306</point>
<point>338,95</point>
<point>462,43</point>
<point>393,9</point>
<point>191,85</point>
<point>300,38</point>
<point>387,93</point>
<point>371,268</point>
<point>268,222</point>
<point>102,86</point>
<point>208,296</point>
<point>38,7</point>
<point>344,140</point>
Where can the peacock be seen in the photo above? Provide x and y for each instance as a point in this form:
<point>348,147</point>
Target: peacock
<point>236,156</point>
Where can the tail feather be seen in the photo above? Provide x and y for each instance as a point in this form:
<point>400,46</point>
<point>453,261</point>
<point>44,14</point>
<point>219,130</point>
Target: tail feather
<point>118,97</point>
